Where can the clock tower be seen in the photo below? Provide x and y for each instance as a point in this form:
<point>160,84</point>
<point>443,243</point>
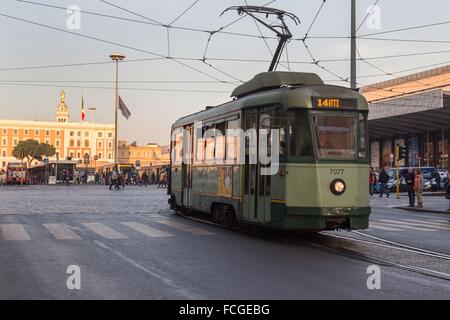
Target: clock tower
<point>62,110</point>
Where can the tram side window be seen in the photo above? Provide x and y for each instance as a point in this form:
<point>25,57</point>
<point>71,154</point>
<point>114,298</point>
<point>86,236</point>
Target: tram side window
<point>209,143</point>
<point>233,140</point>
<point>299,133</point>
<point>220,141</point>
<point>177,147</point>
<point>362,135</point>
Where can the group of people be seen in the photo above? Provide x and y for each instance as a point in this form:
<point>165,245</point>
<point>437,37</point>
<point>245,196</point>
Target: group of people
<point>414,184</point>
<point>118,179</point>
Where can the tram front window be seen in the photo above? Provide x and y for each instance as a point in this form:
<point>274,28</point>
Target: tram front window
<point>335,136</point>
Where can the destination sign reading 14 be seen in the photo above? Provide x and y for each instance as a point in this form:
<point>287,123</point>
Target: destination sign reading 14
<point>333,103</point>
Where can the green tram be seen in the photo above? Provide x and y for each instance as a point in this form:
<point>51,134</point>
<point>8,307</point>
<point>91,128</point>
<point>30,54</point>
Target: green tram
<point>322,178</point>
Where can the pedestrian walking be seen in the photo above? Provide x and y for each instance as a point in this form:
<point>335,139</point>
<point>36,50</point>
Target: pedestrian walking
<point>437,178</point>
<point>114,179</point>
<point>409,178</point>
<point>384,179</point>
<point>144,178</point>
<point>372,181</point>
<point>418,188</point>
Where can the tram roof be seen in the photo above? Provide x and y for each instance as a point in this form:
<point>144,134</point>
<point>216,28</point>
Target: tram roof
<point>288,96</point>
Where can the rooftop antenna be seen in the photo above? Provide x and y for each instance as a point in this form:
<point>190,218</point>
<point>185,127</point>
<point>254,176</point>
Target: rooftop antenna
<point>281,29</point>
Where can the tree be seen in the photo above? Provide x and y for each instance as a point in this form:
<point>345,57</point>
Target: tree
<point>32,150</point>
<point>133,144</point>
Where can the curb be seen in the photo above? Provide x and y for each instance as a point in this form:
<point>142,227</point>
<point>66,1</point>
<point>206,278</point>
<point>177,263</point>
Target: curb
<point>423,210</point>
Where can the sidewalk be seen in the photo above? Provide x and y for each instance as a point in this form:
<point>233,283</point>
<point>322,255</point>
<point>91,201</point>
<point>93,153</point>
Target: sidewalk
<point>433,202</point>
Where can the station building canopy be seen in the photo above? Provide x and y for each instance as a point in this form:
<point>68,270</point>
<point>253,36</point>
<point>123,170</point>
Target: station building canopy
<point>411,104</point>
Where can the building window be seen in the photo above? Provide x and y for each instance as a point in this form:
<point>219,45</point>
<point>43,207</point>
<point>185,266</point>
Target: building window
<point>16,132</point>
<point>72,143</point>
<point>86,134</point>
<point>57,155</point>
<point>110,135</point>
<point>86,143</point>
<point>47,141</point>
<point>79,133</point>
<point>26,132</point>
<point>3,153</point>
<point>47,133</point>
<point>72,133</point>
<point>100,145</point>
<point>4,142</point>
<point>99,156</point>
<point>5,131</point>
<point>109,145</point>
<point>71,154</point>
<point>100,135</point>
<point>57,133</point>
<point>36,132</point>
<point>15,142</point>
<point>78,143</point>
<point>3,164</point>
<point>79,155</point>
<point>109,156</point>
<point>57,143</point>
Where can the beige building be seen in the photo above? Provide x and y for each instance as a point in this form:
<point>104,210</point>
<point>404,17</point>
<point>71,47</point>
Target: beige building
<point>152,154</point>
<point>70,139</point>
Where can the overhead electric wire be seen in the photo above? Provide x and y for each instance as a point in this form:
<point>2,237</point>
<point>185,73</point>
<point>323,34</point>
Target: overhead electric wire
<point>11,83</point>
<point>129,11</point>
<point>183,13</point>
<point>112,43</point>
<point>406,28</point>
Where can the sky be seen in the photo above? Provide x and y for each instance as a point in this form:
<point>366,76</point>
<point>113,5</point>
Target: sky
<point>41,54</point>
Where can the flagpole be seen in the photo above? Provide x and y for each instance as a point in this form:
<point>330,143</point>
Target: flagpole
<point>116,57</point>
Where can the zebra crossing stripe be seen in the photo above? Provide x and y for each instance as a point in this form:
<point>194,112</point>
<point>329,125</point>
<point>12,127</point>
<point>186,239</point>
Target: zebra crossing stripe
<point>185,227</point>
<point>406,225</point>
<point>374,225</point>
<point>105,231</point>
<point>14,232</point>
<point>147,230</point>
<point>61,231</point>
<point>430,223</point>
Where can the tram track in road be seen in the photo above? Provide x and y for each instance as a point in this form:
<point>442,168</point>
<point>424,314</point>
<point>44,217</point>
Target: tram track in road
<point>379,251</point>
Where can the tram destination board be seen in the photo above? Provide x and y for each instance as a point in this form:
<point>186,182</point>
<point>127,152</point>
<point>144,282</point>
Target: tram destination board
<point>333,103</point>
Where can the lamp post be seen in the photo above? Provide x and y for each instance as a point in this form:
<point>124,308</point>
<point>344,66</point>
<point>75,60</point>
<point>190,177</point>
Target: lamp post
<point>116,57</point>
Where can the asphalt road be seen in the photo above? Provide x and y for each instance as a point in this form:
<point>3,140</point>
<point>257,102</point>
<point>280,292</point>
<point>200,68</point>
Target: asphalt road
<point>128,245</point>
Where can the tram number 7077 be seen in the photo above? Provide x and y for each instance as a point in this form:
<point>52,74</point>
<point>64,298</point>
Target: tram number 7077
<point>336,172</point>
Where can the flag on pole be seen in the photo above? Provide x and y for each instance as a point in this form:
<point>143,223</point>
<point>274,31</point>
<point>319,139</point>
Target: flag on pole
<point>123,108</point>
<point>83,113</point>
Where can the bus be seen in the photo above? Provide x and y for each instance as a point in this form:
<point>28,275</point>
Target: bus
<point>321,177</point>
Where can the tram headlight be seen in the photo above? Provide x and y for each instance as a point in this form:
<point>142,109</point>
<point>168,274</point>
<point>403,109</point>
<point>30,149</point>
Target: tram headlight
<point>337,186</point>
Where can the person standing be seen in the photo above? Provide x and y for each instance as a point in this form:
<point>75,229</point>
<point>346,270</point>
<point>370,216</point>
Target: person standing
<point>144,178</point>
<point>409,178</point>
<point>372,181</point>
<point>113,180</point>
<point>384,179</point>
<point>418,188</point>
<point>437,178</point>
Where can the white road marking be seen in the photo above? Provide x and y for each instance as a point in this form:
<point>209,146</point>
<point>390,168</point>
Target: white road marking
<point>430,224</point>
<point>14,232</point>
<point>185,227</point>
<point>405,225</point>
<point>147,230</point>
<point>105,231</point>
<point>382,227</point>
<point>61,231</point>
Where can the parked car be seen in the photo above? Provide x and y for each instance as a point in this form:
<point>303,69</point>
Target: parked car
<point>427,172</point>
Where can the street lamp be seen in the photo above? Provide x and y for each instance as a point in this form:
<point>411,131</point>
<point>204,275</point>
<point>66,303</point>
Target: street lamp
<point>116,57</point>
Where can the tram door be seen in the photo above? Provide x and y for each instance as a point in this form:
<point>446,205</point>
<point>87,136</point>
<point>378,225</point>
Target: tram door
<point>186,166</point>
<point>264,178</point>
<point>256,204</point>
